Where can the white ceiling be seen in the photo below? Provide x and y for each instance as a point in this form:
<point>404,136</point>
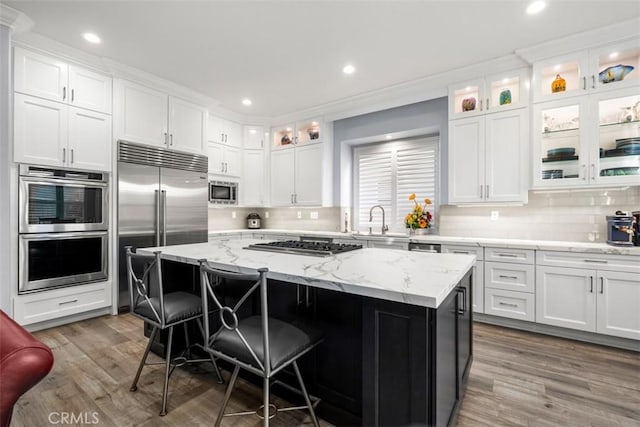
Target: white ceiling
<point>288,55</point>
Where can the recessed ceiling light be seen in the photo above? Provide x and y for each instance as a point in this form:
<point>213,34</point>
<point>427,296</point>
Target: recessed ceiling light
<point>246,102</point>
<point>252,131</point>
<point>536,7</point>
<point>349,69</point>
<point>314,123</point>
<point>556,67</point>
<point>505,81</point>
<point>468,88</point>
<point>388,137</point>
<point>91,38</point>
<point>613,55</point>
<point>288,129</point>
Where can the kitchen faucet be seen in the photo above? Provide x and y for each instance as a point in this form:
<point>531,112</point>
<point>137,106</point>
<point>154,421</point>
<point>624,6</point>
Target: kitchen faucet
<point>385,227</point>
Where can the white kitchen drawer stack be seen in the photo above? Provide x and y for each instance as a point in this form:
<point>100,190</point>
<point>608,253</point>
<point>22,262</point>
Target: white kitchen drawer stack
<point>589,292</point>
<point>509,282</point>
<point>478,271</point>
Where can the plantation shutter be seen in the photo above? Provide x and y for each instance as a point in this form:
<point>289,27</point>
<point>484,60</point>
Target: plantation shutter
<point>374,186</point>
<point>387,173</point>
<point>416,173</point>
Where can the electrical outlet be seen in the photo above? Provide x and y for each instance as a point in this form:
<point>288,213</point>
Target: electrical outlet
<point>495,215</point>
<point>299,215</point>
<point>313,215</point>
<point>233,214</point>
<point>266,214</point>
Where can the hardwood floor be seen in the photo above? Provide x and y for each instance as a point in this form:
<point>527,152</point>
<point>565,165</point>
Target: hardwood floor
<point>517,379</point>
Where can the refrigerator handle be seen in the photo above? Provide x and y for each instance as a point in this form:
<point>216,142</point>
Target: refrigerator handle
<point>164,217</point>
<point>157,217</point>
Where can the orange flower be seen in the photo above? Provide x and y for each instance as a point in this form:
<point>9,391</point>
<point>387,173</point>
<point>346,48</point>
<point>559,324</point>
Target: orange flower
<point>423,223</point>
<point>427,201</point>
<point>412,196</point>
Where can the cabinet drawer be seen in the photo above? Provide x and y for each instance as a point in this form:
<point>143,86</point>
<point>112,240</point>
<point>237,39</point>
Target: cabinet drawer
<point>478,251</point>
<point>519,256</point>
<point>509,276</point>
<point>628,263</point>
<point>516,305</point>
<point>47,305</point>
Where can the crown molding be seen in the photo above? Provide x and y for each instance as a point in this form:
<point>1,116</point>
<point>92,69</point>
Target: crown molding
<point>14,19</point>
<point>580,41</point>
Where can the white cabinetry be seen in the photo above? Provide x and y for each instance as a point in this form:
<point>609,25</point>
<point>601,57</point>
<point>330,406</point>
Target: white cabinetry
<point>478,271</point>
<point>224,131</point>
<point>252,190</point>
<point>253,137</point>
<point>54,134</point>
<point>487,158</point>
<point>297,175</point>
<point>224,160</point>
<point>49,78</point>
<point>597,297</point>
<point>509,286</point>
<point>148,116</point>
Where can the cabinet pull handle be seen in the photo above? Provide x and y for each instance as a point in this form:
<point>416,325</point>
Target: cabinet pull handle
<point>72,155</point>
<point>508,255</point>
<point>593,81</point>
<point>462,308</point>
<point>221,166</point>
<point>508,304</point>
<point>598,261</point>
<point>601,285</point>
<point>481,105</point>
<point>584,83</point>
<point>508,277</point>
<point>593,171</point>
<point>68,302</point>
<point>221,137</point>
<point>488,105</point>
<point>226,167</point>
<point>291,198</point>
<point>591,287</point>
<point>481,191</point>
<point>165,139</point>
<point>307,297</point>
<point>170,139</point>
<point>262,143</point>
<point>72,94</point>
<point>295,198</point>
<point>460,252</point>
<point>64,155</point>
<point>584,172</point>
<point>487,191</point>
<point>64,93</point>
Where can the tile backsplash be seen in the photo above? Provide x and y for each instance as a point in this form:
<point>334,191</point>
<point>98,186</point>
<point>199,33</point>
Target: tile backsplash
<point>568,215</point>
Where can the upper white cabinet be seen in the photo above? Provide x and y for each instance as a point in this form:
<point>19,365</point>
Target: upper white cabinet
<point>587,140</point>
<point>299,133</point>
<point>587,71</point>
<point>147,116</point>
<point>493,93</point>
<point>224,131</point>
<point>54,134</point>
<point>224,160</point>
<point>253,179</point>
<point>49,78</point>
<point>297,176</point>
<point>253,137</point>
<point>487,158</point>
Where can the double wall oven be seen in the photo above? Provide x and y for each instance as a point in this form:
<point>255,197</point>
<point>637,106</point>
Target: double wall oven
<point>63,234</point>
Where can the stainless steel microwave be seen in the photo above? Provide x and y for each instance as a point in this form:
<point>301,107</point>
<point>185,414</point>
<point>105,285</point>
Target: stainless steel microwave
<point>223,192</point>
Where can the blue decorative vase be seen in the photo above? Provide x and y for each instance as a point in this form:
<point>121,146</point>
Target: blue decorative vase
<point>505,97</point>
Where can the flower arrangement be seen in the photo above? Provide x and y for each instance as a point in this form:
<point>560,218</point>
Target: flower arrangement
<point>420,217</point>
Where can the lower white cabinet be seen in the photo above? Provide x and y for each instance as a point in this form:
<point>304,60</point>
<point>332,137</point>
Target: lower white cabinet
<point>589,300</point>
<point>516,305</point>
<point>48,305</point>
<point>509,276</point>
<point>54,134</point>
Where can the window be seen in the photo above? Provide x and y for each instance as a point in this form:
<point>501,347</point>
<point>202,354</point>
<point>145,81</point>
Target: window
<point>387,173</point>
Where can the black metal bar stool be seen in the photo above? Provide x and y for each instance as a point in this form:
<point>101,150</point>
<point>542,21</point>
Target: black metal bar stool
<point>259,344</point>
<point>148,302</point>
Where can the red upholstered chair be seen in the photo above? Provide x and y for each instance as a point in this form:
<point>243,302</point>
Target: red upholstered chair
<point>24,361</point>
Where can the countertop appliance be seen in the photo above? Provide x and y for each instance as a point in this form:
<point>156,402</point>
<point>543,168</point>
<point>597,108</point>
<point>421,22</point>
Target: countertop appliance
<point>63,228</point>
<point>223,192</point>
<point>162,200</point>
<point>425,247</point>
<point>253,221</point>
<point>620,229</point>
<point>305,247</point>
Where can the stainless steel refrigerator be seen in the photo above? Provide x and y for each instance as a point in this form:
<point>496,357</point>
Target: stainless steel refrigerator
<point>162,200</point>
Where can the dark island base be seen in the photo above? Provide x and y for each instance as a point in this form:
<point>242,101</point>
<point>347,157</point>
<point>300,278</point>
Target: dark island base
<point>382,363</point>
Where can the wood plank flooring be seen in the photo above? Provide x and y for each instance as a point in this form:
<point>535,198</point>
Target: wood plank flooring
<point>517,379</point>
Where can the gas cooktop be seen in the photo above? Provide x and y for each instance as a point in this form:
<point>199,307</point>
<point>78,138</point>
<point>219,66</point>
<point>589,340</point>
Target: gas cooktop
<point>314,248</point>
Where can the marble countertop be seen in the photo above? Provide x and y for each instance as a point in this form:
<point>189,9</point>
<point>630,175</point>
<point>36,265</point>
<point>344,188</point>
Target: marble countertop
<point>417,278</point>
<point>548,245</point>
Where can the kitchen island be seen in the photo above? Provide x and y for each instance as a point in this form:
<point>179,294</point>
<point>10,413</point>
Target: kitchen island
<point>397,324</point>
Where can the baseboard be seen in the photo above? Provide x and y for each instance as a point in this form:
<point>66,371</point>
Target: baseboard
<point>593,338</point>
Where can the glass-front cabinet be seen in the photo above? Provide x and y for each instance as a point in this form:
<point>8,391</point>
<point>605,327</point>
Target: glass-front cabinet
<point>493,93</point>
<point>299,133</point>
<point>610,67</point>
<point>587,140</point>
